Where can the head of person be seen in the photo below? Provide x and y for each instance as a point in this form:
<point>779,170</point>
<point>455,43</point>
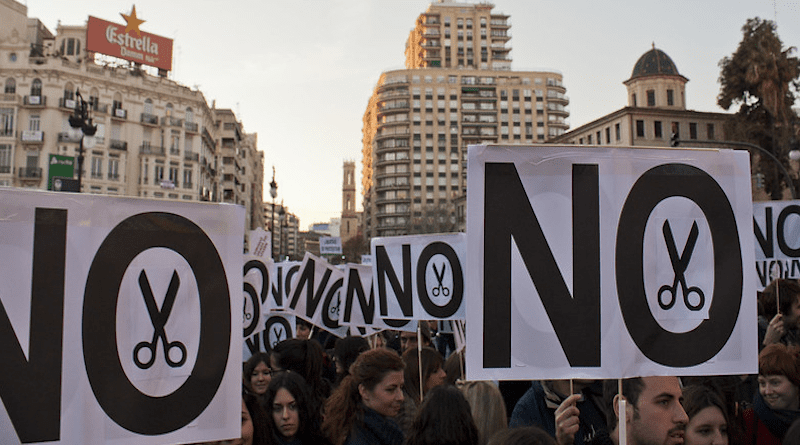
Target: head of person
<point>488,407</point>
<point>287,400</point>
<point>375,382</point>
<point>346,351</point>
<point>303,331</point>
<point>787,293</point>
<point>255,428</point>
<point>304,357</point>
<point>526,435</point>
<point>779,376</point>
<point>257,373</point>
<point>654,413</point>
<point>408,340</point>
<point>454,367</point>
<point>432,371</point>
<point>444,418</point>
<point>708,422</point>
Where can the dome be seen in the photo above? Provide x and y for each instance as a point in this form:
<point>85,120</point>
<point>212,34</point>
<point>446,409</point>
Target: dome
<point>654,63</point>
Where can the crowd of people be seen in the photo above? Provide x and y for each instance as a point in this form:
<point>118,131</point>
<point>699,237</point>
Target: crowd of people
<point>390,390</point>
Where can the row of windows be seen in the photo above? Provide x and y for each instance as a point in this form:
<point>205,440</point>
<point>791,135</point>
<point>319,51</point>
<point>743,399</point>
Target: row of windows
<point>658,130</point>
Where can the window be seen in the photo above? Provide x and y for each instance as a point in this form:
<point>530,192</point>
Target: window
<point>36,87</point>
<point>608,135</point>
<point>617,131</point>
<point>676,129</point>
<point>710,131</point>
<point>633,99</point>
<point>173,175</point>
<point>148,106</point>
<point>599,139</point>
<point>670,97</point>
<point>5,158</point>
<point>158,173</point>
<point>657,130</point>
<point>97,167</point>
<point>639,128</point>
<point>34,123</point>
<point>113,169</point>
<point>692,130</point>
<point>651,98</point>
<point>6,121</point>
<point>11,86</point>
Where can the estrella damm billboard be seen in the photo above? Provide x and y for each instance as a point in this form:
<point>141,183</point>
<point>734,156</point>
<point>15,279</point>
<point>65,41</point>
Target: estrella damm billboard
<point>128,43</point>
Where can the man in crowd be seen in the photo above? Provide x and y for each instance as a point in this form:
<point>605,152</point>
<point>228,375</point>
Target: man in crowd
<point>654,415</point>
<point>408,340</point>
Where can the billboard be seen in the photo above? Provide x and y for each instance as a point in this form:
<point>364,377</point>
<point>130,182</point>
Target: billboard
<point>128,42</point>
<point>59,166</point>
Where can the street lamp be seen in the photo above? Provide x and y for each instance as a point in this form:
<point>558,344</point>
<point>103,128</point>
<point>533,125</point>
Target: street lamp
<point>282,224</point>
<point>81,119</point>
<point>273,191</point>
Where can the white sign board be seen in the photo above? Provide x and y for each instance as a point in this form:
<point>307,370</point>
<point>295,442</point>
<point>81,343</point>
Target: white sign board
<point>420,277</point>
<point>120,319</point>
<point>777,233</point>
<point>316,293</point>
<point>589,262</point>
<point>330,245</point>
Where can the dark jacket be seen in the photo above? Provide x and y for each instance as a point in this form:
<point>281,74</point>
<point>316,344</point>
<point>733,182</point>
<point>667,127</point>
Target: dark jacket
<point>537,407</point>
<point>762,425</point>
<point>374,429</point>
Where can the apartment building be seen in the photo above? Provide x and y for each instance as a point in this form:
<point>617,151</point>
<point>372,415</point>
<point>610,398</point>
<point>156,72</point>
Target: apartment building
<point>458,89</point>
<point>155,138</point>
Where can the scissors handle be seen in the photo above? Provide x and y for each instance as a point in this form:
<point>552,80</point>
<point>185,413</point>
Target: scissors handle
<point>699,292</point>
<point>436,290</point>
<point>168,348</point>
<point>151,346</point>
<point>446,291</point>
<point>671,291</point>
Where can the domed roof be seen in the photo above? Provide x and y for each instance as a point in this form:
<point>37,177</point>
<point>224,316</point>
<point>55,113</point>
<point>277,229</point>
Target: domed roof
<point>654,63</point>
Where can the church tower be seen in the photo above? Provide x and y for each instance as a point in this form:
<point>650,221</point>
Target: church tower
<point>349,226</point>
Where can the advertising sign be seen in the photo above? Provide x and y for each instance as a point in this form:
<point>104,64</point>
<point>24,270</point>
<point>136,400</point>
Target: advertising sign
<point>128,42</point>
<point>58,165</point>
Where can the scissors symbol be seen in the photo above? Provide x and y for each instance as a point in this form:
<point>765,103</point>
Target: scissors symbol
<point>679,265</point>
<point>441,288</point>
<point>159,319</point>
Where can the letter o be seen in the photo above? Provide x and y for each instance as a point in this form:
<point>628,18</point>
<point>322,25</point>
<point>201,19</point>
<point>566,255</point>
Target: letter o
<point>781,229</point>
<point>118,397</point>
<point>706,340</point>
<point>457,296</point>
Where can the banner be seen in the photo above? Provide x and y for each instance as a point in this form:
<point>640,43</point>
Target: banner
<point>776,225</point>
<point>590,262</point>
<point>330,245</point>
<point>119,319</point>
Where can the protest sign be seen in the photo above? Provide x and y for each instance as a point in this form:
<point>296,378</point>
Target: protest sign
<point>359,303</point>
<point>316,295</point>
<point>120,319</point>
<point>609,262</point>
<point>776,225</point>
<point>330,245</point>
<point>284,275</point>
<point>276,327</point>
<point>420,277</point>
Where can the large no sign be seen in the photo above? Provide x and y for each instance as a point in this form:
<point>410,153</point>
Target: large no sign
<point>608,263</point>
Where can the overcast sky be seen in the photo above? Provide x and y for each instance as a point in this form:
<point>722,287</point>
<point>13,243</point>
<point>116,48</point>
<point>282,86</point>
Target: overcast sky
<point>299,73</point>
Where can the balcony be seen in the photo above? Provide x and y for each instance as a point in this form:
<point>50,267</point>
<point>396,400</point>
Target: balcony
<point>32,137</point>
<point>65,103</point>
<point>113,176</point>
<point>5,169</point>
<point>119,113</point>
<point>189,156</point>
<point>149,119</point>
<point>191,127</point>
<point>66,136</point>
<point>35,101</point>
<point>9,98</point>
<point>98,108</point>
<point>7,132</point>
<point>169,121</point>
<point>29,173</point>
<point>118,145</point>
<point>174,151</point>
<point>147,149</point>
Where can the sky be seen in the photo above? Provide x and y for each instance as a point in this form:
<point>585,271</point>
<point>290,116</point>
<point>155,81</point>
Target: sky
<point>300,73</point>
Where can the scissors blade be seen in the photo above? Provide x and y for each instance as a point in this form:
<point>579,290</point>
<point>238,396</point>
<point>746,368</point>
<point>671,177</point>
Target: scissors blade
<point>686,255</point>
<point>169,299</point>
<point>439,277</point>
<point>671,247</point>
<point>149,300</point>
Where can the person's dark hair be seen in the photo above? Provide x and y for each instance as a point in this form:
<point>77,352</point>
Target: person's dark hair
<point>250,365</point>
<point>431,362</point>
<point>346,351</point>
<point>631,389</point>
<point>444,418</point>
<point>527,435</point>
<point>698,397</point>
<point>259,417</point>
<point>345,404</point>
<point>306,358</point>
<point>788,290</point>
<point>454,367</point>
<point>310,421</point>
<point>779,359</point>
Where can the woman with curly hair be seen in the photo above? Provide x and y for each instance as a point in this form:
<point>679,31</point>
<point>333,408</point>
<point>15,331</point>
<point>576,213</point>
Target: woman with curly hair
<point>360,410</point>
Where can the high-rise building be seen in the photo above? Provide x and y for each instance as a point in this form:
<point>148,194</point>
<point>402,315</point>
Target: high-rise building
<point>458,89</point>
<point>155,138</point>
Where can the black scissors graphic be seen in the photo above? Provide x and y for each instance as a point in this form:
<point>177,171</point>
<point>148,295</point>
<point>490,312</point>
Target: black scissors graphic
<point>159,319</point>
<point>679,265</point>
<point>441,288</point>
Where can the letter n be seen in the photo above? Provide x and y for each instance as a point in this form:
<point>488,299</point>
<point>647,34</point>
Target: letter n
<point>31,388</point>
<point>508,214</point>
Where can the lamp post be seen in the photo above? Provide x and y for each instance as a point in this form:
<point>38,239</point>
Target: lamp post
<point>282,224</point>
<point>81,119</point>
<point>273,191</point>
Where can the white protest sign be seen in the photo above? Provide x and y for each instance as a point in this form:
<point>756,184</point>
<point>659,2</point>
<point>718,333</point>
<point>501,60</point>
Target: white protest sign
<point>258,273</point>
<point>260,243</point>
<point>330,245</point>
<point>777,232</point>
<point>120,319</point>
<point>360,306</point>
<point>316,295</point>
<point>420,276</point>
<point>283,276</point>
<point>589,262</point>
<point>277,326</point>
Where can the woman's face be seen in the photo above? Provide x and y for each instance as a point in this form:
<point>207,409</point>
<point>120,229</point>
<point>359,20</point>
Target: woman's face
<point>260,378</point>
<point>387,396</point>
<point>778,392</point>
<point>435,379</point>
<point>707,427</point>
<point>247,429</point>
<point>285,414</point>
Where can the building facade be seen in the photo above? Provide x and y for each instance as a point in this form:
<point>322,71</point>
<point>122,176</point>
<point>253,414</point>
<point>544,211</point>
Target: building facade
<point>458,90</point>
<point>656,110</point>
<point>155,138</point>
